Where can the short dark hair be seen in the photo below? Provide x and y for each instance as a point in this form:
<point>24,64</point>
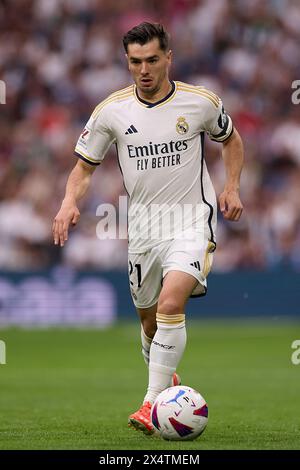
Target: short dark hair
<point>144,33</point>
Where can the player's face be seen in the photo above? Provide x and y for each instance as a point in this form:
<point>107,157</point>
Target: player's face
<point>149,66</point>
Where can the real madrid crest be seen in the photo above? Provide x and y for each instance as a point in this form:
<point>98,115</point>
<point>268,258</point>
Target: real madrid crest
<point>182,126</point>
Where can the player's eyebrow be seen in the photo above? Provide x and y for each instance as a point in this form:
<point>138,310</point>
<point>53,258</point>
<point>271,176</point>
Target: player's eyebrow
<point>135,59</point>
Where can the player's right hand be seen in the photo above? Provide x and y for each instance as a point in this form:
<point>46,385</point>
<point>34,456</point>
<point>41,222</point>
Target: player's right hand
<point>68,214</point>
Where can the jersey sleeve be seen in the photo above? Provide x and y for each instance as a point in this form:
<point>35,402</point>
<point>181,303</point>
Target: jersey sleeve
<point>95,139</point>
<point>218,123</point>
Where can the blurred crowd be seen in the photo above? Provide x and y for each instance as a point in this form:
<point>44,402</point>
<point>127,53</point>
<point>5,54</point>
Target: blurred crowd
<point>60,58</point>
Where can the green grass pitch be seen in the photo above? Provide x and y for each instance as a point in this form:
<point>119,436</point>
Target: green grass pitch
<point>73,389</point>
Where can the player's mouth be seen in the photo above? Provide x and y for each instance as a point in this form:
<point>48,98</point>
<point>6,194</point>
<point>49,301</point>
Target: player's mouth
<point>146,81</point>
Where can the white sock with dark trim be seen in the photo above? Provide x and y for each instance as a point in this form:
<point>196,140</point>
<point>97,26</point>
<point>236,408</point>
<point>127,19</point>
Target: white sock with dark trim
<point>146,345</point>
<point>166,351</point>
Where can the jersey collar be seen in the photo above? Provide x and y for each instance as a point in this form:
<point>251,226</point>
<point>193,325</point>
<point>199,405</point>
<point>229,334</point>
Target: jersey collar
<point>163,100</point>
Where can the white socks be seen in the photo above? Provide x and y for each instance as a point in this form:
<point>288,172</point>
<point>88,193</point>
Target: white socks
<point>146,344</point>
<point>166,351</point>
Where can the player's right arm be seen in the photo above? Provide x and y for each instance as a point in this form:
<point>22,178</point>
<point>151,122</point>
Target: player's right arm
<point>91,148</point>
<point>68,214</point>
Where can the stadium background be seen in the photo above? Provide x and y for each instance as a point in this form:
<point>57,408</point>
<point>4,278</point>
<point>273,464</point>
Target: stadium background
<point>58,60</point>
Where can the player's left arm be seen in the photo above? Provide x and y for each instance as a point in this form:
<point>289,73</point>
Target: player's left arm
<point>233,156</point>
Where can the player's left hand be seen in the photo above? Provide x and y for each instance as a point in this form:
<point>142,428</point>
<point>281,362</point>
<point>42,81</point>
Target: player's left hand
<point>230,205</point>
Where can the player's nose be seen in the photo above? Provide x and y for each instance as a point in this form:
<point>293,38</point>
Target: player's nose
<point>144,69</point>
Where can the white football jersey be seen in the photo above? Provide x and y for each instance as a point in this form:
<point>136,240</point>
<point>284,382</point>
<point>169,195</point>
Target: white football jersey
<point>160,152</point>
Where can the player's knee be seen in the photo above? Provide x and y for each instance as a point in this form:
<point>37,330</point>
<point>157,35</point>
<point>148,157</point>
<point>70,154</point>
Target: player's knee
<point>169,306</point>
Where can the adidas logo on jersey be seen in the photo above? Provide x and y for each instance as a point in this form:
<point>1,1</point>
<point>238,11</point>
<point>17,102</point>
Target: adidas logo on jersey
<point>131,130</point>
<point>196,265</point>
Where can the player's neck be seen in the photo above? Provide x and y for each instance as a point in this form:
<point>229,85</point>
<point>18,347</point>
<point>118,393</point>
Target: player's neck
<point>157,95</point>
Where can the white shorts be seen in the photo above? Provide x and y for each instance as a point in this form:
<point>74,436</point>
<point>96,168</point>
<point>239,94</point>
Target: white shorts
<point>147,270</point>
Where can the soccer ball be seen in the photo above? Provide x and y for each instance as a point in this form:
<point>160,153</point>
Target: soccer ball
<point>179,413</point>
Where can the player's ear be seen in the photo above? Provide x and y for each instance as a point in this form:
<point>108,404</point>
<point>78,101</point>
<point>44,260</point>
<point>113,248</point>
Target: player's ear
<point>170,56</point>
<point>126,55</point>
